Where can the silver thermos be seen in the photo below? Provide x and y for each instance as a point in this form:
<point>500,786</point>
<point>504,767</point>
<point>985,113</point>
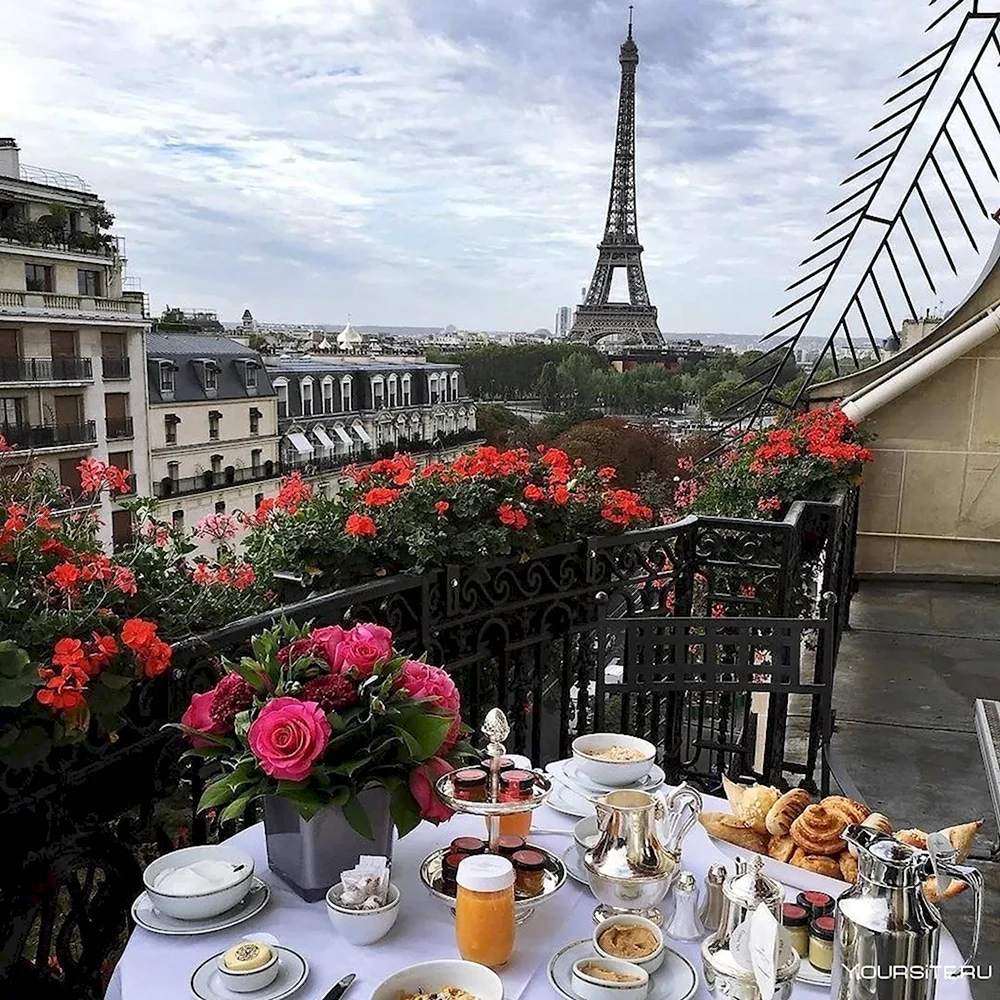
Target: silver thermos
<point>888,934</point>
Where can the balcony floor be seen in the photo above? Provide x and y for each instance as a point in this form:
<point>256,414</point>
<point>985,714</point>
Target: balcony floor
<point>915,660</point>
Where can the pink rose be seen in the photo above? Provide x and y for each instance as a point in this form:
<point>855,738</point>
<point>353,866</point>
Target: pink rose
<point>361,648</point>
<point>198,716</point>
<point>288,737</point>
<point>422,780</point>
<point>421,680</point>
<point>326,642</point>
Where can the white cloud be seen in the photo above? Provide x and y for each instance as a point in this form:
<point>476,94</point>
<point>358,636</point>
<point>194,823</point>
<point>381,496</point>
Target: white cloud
<point>416,161</point>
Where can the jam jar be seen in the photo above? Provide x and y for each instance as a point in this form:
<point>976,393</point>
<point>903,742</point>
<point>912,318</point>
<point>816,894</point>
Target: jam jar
<point>468,845</point>
<point>796,919</point>
<point>509,846</point>
<point>516,786</point>
<point>821,943</point>
<point>529,871</point>
<point>470,784</point>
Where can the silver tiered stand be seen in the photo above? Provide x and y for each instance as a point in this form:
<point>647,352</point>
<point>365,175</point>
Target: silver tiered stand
<point>496,730</point>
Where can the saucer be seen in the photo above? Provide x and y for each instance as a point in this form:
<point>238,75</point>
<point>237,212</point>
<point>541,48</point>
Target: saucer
<point>565,800</point>
<point>808,973</point>
<point>571,771</point>
<point>674,980</point>
<point>573,864</point>
<point>150,919</point>
<point>207,984</point>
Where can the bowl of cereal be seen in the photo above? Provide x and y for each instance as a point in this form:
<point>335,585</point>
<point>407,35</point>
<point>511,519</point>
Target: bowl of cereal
<point>613,759</point>
<point>442,980</point>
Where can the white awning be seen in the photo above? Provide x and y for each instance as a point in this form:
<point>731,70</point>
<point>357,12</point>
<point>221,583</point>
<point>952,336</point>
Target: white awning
<point>343,435</point>
<point>359,429</point>
<point>301,443</point>
<point>323,438</point>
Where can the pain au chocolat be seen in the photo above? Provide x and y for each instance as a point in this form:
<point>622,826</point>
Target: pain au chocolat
<point>817,831</point>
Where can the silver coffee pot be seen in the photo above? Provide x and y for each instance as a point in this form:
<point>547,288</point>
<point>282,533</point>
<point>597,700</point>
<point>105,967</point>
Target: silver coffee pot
<point>728,970</point>
<point>635,861</point>
<point>888,933</point>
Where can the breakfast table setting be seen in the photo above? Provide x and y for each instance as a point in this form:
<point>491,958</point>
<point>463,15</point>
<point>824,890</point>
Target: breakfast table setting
<point>401,857</point>
<point>157,966</point>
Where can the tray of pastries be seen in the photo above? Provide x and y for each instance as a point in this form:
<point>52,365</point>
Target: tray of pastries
<point>799,837</point>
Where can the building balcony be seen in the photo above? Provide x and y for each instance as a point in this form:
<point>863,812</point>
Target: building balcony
<point>51,301</point>
<point>330,463</point>
<point>46,370</point>
<point>29,236</point>
<point>207,481</point>
<point>29,437</point>
<point>118,427</point>
<point>116,368</point>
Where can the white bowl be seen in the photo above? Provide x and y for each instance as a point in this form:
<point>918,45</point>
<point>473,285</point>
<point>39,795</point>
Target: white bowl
<point>652,961</point>
<point>200,906</point>
<point>428,977</point>
<point>588,988</point>
<point>361,927</point>
<point>255,979</point>
<point>616,773</point>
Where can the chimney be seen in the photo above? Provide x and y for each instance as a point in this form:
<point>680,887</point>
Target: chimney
<point>10,164</point>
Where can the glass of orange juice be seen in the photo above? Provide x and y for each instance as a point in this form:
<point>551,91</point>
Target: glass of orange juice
<point>484,910</point>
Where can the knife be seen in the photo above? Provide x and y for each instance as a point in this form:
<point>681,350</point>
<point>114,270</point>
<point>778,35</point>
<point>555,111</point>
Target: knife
<point>339,989</point>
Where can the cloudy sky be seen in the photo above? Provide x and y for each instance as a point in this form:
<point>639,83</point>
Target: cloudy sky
<point>425,162</point>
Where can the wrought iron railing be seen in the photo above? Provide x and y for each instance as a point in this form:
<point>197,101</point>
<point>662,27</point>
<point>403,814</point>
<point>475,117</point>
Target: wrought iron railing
<point>118,427</point>
<point>521,635</point>
<point>28,436</point>
<point>45,370</point>
<point>116,368</point>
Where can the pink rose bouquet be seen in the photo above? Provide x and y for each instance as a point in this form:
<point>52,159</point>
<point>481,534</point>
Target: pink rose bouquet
<point>319,715</point>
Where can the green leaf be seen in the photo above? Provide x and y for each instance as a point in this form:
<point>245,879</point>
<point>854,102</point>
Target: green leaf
<point>31,747</point>
<point>358,818</point>
<point>404,809</point>
<point>113,680</point>
<point>14,661</point>
<point>428,731</point>
<point>18,679</point>
<point>249,670</point>
<point>237,807</point>
<point>241,724</point>
<point>308,801</point>
<point>217,793</point>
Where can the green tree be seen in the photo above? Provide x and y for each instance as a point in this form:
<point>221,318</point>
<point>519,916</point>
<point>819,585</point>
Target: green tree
<point>501,427</point>
<point>547,386</point>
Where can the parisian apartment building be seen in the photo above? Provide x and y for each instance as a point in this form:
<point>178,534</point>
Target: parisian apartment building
<point>72,366</point>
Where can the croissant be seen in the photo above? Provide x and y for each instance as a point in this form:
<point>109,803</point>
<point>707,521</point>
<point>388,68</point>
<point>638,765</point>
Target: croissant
<point>781,848</point>
<point>931,889</point>
<point>818,831</point>
<point>962,837</point>
<point>750,804</point>
<point>876,821</point>
<point>818,863</point>
<point>785,811</point>
<point>851,810</point>
<point>915,838</point>
<point>724,826</point>
<point>848,867</point>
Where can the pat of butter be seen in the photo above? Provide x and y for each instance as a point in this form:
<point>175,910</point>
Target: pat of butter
<point>247,956</point>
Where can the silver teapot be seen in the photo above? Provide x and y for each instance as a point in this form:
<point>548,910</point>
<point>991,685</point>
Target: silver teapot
<point>633,865</point>
<point>888,933</point>
<point>728,970</point>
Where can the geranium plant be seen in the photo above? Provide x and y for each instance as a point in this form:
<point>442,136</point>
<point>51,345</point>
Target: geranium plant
<point>486,503</point>
<point>318,715</point>
<point>814,456</point>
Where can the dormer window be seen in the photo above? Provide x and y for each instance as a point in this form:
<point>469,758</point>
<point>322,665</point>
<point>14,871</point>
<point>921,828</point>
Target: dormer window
<point>378,392</point>
<point>407,390</point>
<point>393,391</point>
<point>166,376</point>
<point>210,374</point>
<point>454,385</point>
<point>251,375</point>
<point>346,394</point>
<point>307,397</point>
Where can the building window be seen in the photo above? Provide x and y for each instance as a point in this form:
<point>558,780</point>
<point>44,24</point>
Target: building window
<point>173,471</point>
<point>378,393</point>
<point>282,389</point>
<point>122,460</point>
<point>213,425</point>
<point>166,376</point>
<point>177,520</point>
<point>211,376</point>
<point>37,278</point>
<point>407,393</point>
<point>216,464</point>
<point>393,391</point>
<point>89,283</point>
<point>454,385</point>
<point>251,376</point>
<point>328,395</point>
<point>220,507</point>
<point>255,457</point>
<point>258,499</point>
<point>346,401</point>
<point>12,412</point>
<point>307,397</point>
<point>254,421</point>
<point>170,423</point>
<point>433,384</point>
<point>121,529</point>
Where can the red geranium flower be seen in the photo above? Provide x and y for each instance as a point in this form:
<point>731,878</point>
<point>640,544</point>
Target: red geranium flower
<point>65,576</point>
<point>512,516</point>
<point>381,496</point>
<point>360,525</point>
<point>138,634</point>
<point>442,506</point>
<point>533,493</point>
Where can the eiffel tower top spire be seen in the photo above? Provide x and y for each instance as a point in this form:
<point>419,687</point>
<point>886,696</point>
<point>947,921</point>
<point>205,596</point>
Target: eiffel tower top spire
<point>630,9</point>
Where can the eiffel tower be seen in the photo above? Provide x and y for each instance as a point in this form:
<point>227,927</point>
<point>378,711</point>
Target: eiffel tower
<point>633,321</point>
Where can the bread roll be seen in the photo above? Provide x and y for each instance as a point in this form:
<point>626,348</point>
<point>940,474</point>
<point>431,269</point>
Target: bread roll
<point>781,848</point>
<point>785,811</point>
<point>850,809</point>
<point>817,831</point>
<point>848,867</point>
<point>819,863</point>
<point>876,821</point>
<point>915,838</point>
<point>725,826</point>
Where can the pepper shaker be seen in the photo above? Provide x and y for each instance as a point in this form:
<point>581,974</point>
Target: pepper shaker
<point>711,908</point>
<point>685,925</point>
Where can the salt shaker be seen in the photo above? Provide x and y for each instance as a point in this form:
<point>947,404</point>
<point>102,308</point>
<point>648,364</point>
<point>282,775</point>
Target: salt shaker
<point>711,908</point>
<point>685,925</point>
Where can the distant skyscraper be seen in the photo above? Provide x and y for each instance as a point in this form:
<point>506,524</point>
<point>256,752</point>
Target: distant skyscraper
<point>564,317</point>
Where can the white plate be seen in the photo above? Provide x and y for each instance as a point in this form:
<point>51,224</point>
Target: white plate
<point>206,982</point>
<point>573,864</point>
<point>674,980</point>
<point>808,973</point>
<point>151,919</point>
<point>565,800</point>
<point>570,770</point>
<point>790,875</point>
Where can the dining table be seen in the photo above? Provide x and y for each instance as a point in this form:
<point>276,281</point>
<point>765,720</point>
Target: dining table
<point>158,967</point>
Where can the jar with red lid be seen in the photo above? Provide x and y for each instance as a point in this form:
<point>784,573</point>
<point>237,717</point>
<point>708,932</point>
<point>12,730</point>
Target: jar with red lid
<point>516,785</point>
<point>470,784</point>
<point>821,933</point>
<point>468,845</point>
<point>796,919</point>
<point>529,871</point>
<point>449,871</point>
<point>510,845</point>
<point>819,904</point>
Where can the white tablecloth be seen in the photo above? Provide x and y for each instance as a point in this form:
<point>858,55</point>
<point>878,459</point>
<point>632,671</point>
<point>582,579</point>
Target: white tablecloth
<point>154,967</point>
